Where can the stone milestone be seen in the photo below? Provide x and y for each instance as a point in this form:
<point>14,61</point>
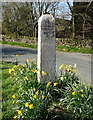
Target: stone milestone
<point>46,59</point>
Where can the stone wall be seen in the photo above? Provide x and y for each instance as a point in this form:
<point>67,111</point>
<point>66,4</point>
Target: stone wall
<point>59,41</point>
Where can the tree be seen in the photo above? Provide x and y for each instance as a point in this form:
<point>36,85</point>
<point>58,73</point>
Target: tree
<point>21,18</point>
<point>17,19</point>
<point>84,19</point>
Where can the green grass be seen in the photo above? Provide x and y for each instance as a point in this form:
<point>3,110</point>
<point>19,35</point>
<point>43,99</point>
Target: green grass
<point>19,44</point>
<point>58,47</point>
<point>8,89</point>
<point>74,49</point>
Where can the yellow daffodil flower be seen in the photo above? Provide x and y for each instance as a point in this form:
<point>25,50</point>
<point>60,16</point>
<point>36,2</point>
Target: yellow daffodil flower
<point>15,117</point>
<point>82,95</point>
<point>16,66</point>
<point>55,84</point>
<point>15,97</point>
<point>19,112</point>
<point>73,93</point>
<point>26,104</point>
<point>61,67</point>
<point>44,73</point>
<point>82,90</point>
<point>37,93</point>
<point>43,96</point>
<point>34,71</point>
<point>35,96</point>
<point>67,66</point>
<point>31,106</point>
<point>49,83</point>
<point>11,70</point>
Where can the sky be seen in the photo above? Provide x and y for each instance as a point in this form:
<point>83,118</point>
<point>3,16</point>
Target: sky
<point>63,9</point>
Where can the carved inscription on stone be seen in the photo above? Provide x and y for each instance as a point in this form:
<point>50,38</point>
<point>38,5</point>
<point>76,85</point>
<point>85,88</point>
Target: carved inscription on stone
<point>48,28</point>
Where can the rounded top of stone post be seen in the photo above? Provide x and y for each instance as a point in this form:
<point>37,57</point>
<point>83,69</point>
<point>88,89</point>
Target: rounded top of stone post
<point>46,16</point>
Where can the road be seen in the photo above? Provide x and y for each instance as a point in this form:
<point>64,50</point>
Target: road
<point>83,61</point>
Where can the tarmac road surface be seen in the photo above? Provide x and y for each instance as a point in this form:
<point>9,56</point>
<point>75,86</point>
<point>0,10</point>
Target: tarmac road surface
<point>83,61</point>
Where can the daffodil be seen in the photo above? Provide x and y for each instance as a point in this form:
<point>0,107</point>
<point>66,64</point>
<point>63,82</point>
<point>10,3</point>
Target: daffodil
<point>35,96</point>
<point>61,67</point>
<point>31,106</point>
<point>82,90</point>
<point>82,95</point>
<point>26,104</point>
<point>11,70</point>
<point>37,93</point>
<point>49,83</point>
<point>16,66</point>
<point>19,112</point>
<point>55,84</point>
<point>67,66</point>
<point>43,96</point>
<point>44,73</point>
<point>34,71</point>
<point>73,93</point>
<point>15,117</point>
<point>15,97</point>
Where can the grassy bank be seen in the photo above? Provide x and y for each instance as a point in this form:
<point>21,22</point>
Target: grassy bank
<point>7,91</point>
<point>58,47</point>
<point>24,98</point>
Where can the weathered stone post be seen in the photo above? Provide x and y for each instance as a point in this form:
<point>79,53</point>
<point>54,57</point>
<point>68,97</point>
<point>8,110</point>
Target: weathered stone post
<point>46,59</point>
<point>92,70</point>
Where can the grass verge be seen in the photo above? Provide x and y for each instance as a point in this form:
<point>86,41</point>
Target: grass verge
<point>58,47</point>
<point>24,98</point>
<point>7,91</point>
<point>19,44</point>
<point>74,49</point>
